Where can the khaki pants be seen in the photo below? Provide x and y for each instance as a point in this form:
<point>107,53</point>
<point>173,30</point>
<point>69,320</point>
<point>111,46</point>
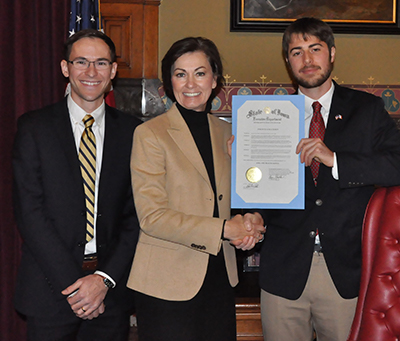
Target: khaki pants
<point>320,308</point>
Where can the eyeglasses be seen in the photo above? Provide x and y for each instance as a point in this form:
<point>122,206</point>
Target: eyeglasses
<point>83,64</point>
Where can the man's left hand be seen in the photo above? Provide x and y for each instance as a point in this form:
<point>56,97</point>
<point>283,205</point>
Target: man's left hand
<point>310,149</point>
<point>88,300</point>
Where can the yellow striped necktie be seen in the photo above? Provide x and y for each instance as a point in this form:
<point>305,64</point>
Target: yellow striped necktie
<point>87,159</point>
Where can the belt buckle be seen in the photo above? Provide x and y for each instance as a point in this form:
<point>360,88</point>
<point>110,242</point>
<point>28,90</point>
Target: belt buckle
<point>91,257</point>
<point>89,262</point>
<point>317,249</point>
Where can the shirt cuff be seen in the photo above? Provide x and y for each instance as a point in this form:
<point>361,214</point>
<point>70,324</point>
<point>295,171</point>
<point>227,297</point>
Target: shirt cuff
<point>223,231</point>
<point>101,273</point>
<point>335,170</point>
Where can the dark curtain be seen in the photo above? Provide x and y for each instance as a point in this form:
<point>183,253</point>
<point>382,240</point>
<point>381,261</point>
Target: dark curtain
<point>31,42</point>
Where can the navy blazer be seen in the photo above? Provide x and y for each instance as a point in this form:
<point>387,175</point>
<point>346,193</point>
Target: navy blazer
<point>367,146</point>
<point>50,207</point>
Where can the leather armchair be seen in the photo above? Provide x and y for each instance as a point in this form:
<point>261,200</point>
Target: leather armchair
<point>377,315</point>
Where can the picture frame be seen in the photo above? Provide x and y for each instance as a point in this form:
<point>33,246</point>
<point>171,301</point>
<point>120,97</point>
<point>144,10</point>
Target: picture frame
<point>251,263</point>
<point>344,16</point>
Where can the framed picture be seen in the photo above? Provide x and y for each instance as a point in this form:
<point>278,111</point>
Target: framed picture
<point>344,16</point>
<point>251,263</point>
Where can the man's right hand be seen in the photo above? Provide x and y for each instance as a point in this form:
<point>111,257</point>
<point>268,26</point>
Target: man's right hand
<point>244,231</point>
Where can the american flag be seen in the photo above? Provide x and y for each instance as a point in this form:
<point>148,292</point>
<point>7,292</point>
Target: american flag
<point>84,14</point>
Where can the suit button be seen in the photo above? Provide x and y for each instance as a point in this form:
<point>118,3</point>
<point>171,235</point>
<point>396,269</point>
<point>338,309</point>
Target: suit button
<point>220,197</point>
<point>318,202</point>
<point>83,213</point>
<point>312,234</point>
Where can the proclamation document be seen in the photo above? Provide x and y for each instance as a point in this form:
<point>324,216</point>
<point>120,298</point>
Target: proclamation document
<point>266,171</point>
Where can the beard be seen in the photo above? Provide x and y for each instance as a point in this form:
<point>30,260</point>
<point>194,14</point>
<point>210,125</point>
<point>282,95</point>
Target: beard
<point>316,81</point>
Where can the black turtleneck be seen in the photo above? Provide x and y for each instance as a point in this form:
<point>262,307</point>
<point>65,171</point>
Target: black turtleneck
<point>197,122</point>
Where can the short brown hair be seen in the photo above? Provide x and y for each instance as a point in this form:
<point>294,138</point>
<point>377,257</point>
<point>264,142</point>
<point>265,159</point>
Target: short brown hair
<point>89,33</point>
<point>186,45</point>
<point>308,27</point>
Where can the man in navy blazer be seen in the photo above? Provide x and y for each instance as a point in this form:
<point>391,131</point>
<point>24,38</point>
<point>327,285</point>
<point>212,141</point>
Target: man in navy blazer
<point>70,288</point>
<point>311,259</point>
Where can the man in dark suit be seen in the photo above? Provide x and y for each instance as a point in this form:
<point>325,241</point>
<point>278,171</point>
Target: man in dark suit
<point>79,229</point>
<point>311,258</point>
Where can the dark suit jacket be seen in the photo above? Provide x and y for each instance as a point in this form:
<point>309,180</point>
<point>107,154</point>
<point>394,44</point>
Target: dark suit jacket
<point>367,146</point>
<point>50,207</point>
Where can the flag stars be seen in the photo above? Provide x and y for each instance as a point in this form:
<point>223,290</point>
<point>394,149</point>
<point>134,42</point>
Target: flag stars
<point>84,14</point>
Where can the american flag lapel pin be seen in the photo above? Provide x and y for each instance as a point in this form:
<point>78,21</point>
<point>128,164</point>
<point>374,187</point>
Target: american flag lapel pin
<point>338,117</point>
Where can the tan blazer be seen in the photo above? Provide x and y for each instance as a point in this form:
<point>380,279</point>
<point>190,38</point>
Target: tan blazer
<point>175,203</point>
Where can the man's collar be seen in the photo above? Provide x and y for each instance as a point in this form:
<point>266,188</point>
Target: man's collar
<point>77,113</point>
<point>325,100</point>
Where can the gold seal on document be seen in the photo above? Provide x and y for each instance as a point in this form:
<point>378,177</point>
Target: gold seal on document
<point>254,174</point>
<point>267,110</point>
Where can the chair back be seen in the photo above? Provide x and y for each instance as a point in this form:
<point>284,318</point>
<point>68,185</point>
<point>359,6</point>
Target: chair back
<point>377,316</point>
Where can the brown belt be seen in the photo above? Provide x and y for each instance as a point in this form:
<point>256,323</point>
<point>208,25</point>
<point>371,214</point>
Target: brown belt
<point>89,262</point>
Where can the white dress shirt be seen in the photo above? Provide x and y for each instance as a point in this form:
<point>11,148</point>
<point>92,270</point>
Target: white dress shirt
<point>325,101</point>
<point>76,114</point>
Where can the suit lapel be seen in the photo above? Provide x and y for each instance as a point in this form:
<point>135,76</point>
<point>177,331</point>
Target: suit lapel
<point>339,114</point>
<point>183,138</point>
<point>62,127</point>
<point>217,140</point>
<point>110,147</point>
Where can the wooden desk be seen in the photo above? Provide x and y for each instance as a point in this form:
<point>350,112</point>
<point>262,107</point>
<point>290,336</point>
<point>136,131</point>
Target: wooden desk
<point>248,319</point>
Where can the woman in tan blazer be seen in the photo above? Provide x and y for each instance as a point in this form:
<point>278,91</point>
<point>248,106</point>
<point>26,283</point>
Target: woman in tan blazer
<point>185,267</point>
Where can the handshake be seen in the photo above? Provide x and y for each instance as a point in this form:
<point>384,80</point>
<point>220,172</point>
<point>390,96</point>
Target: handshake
<point>244,232</point>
